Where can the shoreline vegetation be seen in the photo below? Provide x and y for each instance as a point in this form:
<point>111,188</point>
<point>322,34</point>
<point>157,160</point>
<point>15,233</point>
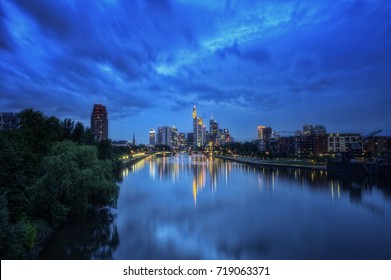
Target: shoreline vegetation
<point>51,171</point>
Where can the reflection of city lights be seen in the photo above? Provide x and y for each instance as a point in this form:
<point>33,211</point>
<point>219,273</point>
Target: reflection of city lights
<point>335,185</point>
<point>152,170</point>
<point>339,190</point>
<point>260,182</point>
<point>195,191</point>
<point>332,189</point>
<point>273,181</point>
<point>207,174</point>
<point>138,166</point>
<point>138,154</point>
<point>125,172</point>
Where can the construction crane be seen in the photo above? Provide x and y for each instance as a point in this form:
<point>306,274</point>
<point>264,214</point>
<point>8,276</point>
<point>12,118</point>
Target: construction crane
<point>365,138</point>
<point>284,131</point>
<point>372,134</point>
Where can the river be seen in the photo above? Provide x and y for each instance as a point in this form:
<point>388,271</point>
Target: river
<point>196,207</point>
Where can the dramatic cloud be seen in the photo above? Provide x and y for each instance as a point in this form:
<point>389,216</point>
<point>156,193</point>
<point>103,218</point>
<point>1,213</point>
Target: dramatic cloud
<point>248,62</point>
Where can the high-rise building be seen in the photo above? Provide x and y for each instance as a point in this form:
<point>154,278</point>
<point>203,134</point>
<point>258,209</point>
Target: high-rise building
<point>164,135</point>
<point>213,131</point>
<point>197,129</point>
<point>227,136</point>
<point>99,122</point>
<point>8,121</point>
<point>204,135</point>
<point>167,135</point>
<point>152,137</point>
<point>182,140</point>
<point>264,132</point>
<point>190,139</point>
<point>308,129</point>
<point>319,129</point>
<point>174,137</point>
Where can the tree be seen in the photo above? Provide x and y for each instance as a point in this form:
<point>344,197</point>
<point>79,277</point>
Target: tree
<point>68,127</point>
<point>44,180</point>
<point>73,181</point>
<point>13,181</point>
<point>78,133</point>
<point>104,149</point>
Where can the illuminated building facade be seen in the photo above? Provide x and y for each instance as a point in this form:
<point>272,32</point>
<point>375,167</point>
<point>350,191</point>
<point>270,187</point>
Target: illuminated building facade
<point>264,132</point>
<point>190,139</point>
<point>167,135</point>
<point>309,129</point>
<point>345,142</point>
<point>312,145</point>
<point>164,135</point>
<point>152,137</point>
<point>213,131</point>
<point>199,136</point>
<point>182,140</point>
<point>99,122</point>
<point>174,137</point>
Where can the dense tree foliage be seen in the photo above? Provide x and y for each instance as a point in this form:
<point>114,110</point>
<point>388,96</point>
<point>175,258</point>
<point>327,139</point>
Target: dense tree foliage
<point>49,170</point>
<point>72,180</point>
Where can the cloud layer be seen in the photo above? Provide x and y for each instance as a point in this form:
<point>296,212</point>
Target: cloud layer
<point>281,65</point>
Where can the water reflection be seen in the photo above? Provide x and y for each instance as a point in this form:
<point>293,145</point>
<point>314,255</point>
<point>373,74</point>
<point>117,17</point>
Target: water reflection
<point>358,186</point>
<point>217,171</point>
<point>87,237</point>
<point>198,207</point>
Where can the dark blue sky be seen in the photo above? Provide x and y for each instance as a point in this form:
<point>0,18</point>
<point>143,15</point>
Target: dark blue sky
<point>275,63</point>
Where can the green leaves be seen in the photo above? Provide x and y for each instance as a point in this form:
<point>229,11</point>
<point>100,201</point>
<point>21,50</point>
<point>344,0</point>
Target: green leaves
<point>73,180</point>
<point>46,175</point>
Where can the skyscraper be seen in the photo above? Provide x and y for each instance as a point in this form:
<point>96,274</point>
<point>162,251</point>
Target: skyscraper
<point>308,129</point>
<point>164,136</point>
<point>213,131</point>
<point>190,139</point>
<point>319,129</point>
<point>152,137</point>
<point>182,139</point>
<point>99,122</point>
<point>174,137</point>
<point>197,129</point>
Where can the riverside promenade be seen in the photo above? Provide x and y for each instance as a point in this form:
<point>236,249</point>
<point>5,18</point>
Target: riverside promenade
<point>276,162</point>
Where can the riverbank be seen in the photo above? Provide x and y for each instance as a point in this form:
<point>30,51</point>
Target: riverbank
<point>134,160</point>
<point>275,163</point>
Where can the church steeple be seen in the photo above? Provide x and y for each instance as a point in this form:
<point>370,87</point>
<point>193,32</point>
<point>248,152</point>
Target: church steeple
<point>134,140</point>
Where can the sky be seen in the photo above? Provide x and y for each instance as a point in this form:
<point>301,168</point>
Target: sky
<point>281,64</point>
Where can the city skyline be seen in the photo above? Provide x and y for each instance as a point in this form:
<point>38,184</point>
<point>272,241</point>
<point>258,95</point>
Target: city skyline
<point>250,64</point>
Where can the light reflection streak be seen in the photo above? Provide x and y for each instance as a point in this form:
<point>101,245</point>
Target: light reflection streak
<point>207,172</point>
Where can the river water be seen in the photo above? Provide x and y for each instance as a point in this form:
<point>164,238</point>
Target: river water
<point>196,207</point>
